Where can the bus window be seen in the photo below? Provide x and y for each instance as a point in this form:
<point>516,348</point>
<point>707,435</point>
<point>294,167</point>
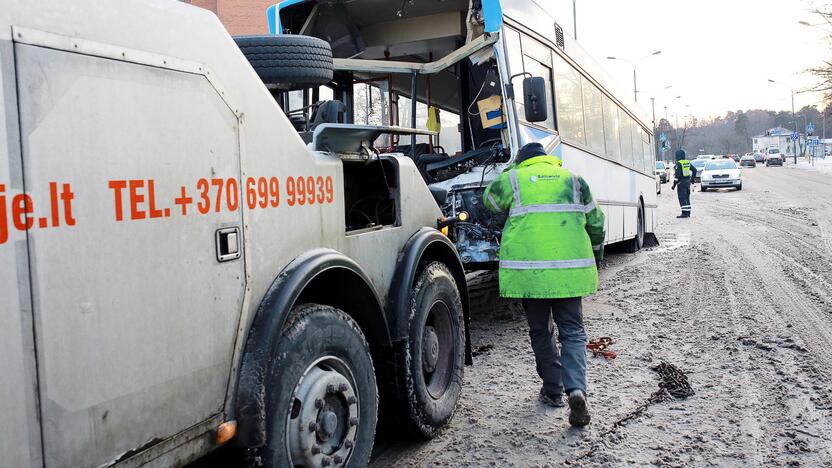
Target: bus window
<point>569,102</point>
<point>421,117</point>
<point>638,148</point>
<point>626,137</point>
<point>593,117</point>
<point>648,150</point>
<point>611,129</point>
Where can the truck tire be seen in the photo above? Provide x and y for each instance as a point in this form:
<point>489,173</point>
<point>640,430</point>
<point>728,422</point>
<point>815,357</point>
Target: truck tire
<point>288,62</point>
<point>431,365</point>
<point>635,244</point>
<point>321,396</point>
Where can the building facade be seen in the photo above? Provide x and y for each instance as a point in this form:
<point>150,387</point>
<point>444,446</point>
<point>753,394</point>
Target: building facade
<point>240,17</point>
<point>780,138</point>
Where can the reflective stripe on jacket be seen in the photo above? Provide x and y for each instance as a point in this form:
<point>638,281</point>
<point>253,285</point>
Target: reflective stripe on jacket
<point>553,232</point>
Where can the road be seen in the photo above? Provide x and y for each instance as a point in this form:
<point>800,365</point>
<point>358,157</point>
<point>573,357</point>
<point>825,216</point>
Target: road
<point>739,297</point>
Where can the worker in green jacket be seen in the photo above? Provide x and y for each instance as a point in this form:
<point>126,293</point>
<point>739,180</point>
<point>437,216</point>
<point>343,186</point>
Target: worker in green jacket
<point>551,241</point>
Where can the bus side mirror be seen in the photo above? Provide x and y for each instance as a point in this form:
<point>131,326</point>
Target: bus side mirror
<point>534,98</point>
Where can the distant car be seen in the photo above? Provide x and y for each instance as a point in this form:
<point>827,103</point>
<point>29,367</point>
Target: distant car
<point>721,173</point>
<point>706,156</point>
<point>774,160</point>
<point>774,157</point>
<point>663,171</point>
<point>748,161</point>
<point>735,157</point>
<point>759,157</point>
<point>698,164</point>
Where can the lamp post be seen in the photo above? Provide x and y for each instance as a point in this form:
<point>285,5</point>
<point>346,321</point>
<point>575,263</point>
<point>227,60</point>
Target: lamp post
<point>794,118</point>
<point>653,105</point>
<point>634,65</point>
<point>575,19</point>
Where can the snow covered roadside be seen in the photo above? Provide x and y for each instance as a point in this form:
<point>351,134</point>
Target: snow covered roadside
<point>820,165</point>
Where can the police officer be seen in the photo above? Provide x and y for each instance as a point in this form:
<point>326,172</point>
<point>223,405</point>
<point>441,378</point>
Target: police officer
<point>685,174</point>
<point>552,239</point>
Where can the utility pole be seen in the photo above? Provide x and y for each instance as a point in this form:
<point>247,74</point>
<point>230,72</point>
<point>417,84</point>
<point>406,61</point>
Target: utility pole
<point>575,19</point>
<point>794,122</point>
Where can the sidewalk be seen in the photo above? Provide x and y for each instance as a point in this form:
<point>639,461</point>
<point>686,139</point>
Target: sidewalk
<point>821,165</point>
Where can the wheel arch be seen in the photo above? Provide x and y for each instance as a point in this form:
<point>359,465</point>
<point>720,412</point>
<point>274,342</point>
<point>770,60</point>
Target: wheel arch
<point>425,246</point>
<point>322,276</point>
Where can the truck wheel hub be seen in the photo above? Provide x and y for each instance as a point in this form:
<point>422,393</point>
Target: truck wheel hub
<point>430,349</point>
<point>322,427</point>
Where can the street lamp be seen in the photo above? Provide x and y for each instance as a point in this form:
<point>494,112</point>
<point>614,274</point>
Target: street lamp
<point>634,64</point>
<point>794,118</point>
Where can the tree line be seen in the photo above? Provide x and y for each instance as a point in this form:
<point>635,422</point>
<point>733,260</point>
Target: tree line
<point>733,132</point>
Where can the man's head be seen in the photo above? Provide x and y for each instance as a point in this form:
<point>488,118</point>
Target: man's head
<point>680,155</point>
<point>530,150</point>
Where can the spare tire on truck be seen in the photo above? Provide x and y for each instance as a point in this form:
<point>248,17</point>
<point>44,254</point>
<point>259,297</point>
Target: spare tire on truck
<point>288,62</point>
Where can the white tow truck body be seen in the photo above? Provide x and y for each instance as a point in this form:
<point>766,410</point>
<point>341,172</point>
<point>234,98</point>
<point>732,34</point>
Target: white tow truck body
<point>152,196</point>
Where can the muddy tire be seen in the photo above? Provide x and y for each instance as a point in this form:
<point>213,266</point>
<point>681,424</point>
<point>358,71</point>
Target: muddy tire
<point>321,395</point>
<point>635,244</point>
<point>430,367</point>
<point>288,62</point>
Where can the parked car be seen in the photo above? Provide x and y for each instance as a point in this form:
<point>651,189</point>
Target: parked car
<point>699,164</point>
<point>721,173</point>
<point>663,171</point>
<point>735,157</point>
<point>748,161</point>
<point>759,157</point>
<point>706,156</point>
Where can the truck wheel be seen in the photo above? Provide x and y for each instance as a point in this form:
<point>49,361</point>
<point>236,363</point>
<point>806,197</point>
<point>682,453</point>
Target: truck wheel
<point>635,244</point>
<point>289,62</point>
<point>432,362</point>
<point>322,400</point>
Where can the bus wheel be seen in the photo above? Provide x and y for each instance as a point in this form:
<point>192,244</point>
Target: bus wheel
<point>432,362</point>
<point>635,244</point>
<point>322,400</point>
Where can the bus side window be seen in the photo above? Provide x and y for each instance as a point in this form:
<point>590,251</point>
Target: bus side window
<point>626,137</point>
<point>638,147</point>
<point>569,99</point>
<point>649,160</point>
<point>593,117</point>
<point>611,129</point>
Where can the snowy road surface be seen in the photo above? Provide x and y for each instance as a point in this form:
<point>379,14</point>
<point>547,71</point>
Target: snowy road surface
<point>739,297</point>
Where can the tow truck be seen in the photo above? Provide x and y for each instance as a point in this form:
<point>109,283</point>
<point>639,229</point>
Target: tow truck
<point>181,268</point>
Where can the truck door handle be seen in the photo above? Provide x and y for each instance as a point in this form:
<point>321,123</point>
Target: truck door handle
<point>228,244</point>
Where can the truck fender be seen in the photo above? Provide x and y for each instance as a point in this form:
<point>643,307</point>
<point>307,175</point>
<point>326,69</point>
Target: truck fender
<point>298,283</point>
<point>425,245</point>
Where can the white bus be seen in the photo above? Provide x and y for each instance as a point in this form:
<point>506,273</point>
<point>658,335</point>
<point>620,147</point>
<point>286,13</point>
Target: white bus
<point>466,64</point>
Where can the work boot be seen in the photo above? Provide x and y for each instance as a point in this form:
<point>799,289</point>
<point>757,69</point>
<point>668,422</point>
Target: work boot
<point>578,409</point>
<point>552,400</point>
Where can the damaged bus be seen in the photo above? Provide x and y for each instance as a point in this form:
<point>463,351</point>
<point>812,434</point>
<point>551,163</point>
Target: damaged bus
<point>482,78</point>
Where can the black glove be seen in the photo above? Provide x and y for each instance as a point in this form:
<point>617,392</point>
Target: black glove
<point>673,187</point>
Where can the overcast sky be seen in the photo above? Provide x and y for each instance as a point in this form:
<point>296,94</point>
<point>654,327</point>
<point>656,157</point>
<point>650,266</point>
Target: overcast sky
<point>716,54</point>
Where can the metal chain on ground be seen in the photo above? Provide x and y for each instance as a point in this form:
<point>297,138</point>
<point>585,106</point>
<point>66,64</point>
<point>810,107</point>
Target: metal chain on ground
<point>673,384</point>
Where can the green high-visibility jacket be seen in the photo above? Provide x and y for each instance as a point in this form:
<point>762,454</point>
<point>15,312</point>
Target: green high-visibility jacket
<point>553,234</point>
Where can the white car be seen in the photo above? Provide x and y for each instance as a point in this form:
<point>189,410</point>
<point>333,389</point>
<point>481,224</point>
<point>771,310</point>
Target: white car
<point>720,173</point>
<point>706,156</point>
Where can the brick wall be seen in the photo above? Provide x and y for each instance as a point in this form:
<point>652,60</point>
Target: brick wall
<point>239,16</point>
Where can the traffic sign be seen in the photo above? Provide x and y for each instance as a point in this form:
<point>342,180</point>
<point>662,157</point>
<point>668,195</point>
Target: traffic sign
<point>813,141</point>
<point>810,128</point>
<point>663,136</point>
<point>795,136</point>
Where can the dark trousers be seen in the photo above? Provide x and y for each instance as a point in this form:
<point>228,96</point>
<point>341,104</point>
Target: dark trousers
<point>683,190</point>
<point>556,373</point>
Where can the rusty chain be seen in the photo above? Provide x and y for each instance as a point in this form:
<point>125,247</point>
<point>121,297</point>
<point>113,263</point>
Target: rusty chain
<point>673,384</point>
